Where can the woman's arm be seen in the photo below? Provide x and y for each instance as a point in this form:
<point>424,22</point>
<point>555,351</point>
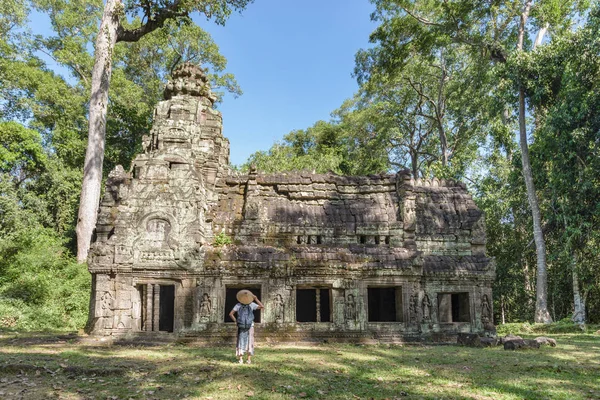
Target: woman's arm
<point>231,315</point>
<point>260,305</point>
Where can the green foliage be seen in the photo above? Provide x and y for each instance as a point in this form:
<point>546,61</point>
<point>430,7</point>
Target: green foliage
<point>43,134</point>
<point>222,239</point>
<point>41,286</point>
<point>342,146</point>
<point>565,326</point>
<point>21,152</point>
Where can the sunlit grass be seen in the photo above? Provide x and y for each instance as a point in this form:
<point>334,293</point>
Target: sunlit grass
<point>44,368</point>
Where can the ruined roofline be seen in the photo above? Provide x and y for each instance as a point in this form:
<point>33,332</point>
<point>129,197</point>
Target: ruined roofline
<point>307,177</point>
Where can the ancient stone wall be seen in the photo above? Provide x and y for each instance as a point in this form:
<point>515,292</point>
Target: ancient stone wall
<point>331,256</point>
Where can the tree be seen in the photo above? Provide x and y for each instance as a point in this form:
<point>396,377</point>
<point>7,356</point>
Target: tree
<point>492,30</point>
<point>115,28</point>
<point>562,82</point>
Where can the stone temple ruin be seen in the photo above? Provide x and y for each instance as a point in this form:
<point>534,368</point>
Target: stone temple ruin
<point>332,257</point>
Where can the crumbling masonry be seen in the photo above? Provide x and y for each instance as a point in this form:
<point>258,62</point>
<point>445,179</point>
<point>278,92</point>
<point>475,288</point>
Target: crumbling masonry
<point>333,257</point>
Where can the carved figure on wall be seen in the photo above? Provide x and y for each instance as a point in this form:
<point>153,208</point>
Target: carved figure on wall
<point>486,311</point>
<point>205,307</point>
<point>351,308</point>
<point>278,308</point>
<point>414,308</point>
<point>252,210</point>
<point>106,304</point>
<point>106,309</point>
<point>426,306</point>
<point>157,231</point>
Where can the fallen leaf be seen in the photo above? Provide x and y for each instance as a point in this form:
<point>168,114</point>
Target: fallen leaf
<point>239,387</point>
<point>302,394</point>
<point>250,393</point>
<point>380,379</point>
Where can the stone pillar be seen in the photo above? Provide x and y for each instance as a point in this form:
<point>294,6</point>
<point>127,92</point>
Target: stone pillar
<point>445,307</point>
<point>146,295</point>
<point>156,307</point>
<point>318,299</point>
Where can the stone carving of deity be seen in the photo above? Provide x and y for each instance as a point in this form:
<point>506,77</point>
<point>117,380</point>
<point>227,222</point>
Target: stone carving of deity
<point>426,306</point>
<point>205,307</point>
<point>106,309</point>
<point>278,308</point>
<point>158,229</point>
<point>486,311</point>
<point>350,308</point>
<point>414,308</point>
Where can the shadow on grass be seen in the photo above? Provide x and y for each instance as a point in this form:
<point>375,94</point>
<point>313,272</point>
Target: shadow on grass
<point>68,369</point>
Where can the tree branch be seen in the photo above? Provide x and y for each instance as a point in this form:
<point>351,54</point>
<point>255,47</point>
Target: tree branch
<point>157,21</point>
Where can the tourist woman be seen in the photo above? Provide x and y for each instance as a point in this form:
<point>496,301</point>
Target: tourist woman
<point>247,304</point>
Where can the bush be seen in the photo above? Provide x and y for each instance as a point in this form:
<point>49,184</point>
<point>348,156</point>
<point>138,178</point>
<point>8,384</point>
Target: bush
<point>41,285</point>
<point>562,326</point>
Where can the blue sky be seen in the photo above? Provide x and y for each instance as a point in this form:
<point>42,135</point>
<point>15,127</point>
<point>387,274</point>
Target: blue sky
<point>294,61</point>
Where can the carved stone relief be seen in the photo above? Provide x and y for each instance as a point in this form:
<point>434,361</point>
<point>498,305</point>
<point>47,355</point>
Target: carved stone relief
<point>414,308</point>
<point>486,311</point>
<point>426,308</point>
<point>157,232</point>
<point>278,308</point>
<point>205,308</point>
<point>351,308</point>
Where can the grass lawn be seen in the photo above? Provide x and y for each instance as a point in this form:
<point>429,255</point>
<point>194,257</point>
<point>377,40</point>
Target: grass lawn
<point>48,367</point>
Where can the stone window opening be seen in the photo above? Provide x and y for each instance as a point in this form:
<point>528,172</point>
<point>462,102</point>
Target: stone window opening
<point>313,304</point>
<point>376,239</point>
<point>385,304</point>
<point>157,307</point>
<point>231,300</point>
<point>387,240</point>
<point>362,239</point>
<point>309,239</point>
<point>175,164</point>
<point>454,307</point>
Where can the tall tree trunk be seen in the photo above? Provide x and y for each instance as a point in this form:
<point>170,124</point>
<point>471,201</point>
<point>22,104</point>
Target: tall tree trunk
<point>541,304</point>
<point>443,143</point>
<point>94,156</point>
<point>579,303</point>
<point>414,163</point>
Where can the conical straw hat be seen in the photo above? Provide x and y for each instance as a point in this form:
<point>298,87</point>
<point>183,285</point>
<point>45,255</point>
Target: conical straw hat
<point>245,296</point>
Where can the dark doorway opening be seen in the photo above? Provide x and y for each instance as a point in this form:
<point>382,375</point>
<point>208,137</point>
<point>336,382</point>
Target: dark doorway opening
<point>385,304</point>
<point>454,307</point>
<point>306,305</point>
<point>231,301</point>
<point>313,305</point>
<point>166,308</point>
<point>325,305</point>
<point>460,307</point>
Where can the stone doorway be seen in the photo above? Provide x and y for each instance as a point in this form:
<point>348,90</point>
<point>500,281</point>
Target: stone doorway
<point>385,304</point>
<point>313,305</point>
<point>158,307</point>
<point>231,301</point>
<point>166,307</point>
